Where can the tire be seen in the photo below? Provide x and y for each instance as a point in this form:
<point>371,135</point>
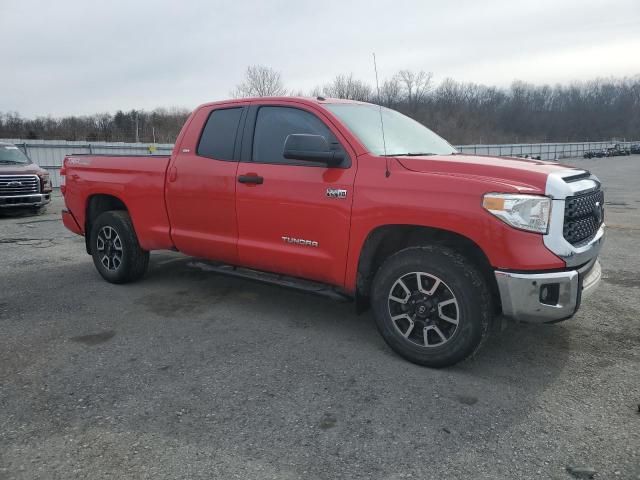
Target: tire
<point>462,295</point>
<point>115,249</point>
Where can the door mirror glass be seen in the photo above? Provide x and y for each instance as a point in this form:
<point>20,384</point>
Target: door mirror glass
<point>312,148</point>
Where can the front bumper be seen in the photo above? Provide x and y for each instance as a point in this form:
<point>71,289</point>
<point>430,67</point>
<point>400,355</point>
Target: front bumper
<point>546,297</point>
<point>30,200</point>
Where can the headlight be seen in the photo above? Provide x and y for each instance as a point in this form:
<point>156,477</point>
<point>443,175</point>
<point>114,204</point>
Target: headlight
<point>45,182</point>
<point>526,212</point>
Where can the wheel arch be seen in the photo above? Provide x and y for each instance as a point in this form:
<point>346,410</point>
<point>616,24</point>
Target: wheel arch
<point>385,240</point>
<point>96,205</point>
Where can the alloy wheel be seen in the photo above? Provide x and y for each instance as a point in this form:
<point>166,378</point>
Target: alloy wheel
<point>109,247</point>
<point>423,309</point>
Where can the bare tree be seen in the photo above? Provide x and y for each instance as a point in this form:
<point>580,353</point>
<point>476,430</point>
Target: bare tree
<point>345,86</point>
<point>260,81</point>
<point>415,86</point>
<point>390,92</point>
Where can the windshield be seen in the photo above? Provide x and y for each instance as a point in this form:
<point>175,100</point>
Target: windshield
<point>12,154</point>
<point>402,135</point>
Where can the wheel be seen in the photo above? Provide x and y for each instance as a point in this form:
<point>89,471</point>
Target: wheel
<point>431,305</point>
<point>115,249</point>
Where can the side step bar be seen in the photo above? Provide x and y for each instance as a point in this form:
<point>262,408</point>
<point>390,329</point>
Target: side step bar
<point>273,278</point>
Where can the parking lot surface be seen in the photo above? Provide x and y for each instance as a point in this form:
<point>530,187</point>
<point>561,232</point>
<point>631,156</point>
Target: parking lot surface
<point>189,374</point>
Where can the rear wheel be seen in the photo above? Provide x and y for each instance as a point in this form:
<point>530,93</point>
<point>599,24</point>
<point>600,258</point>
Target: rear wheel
<point>431,305</point>
<point>116,252</point>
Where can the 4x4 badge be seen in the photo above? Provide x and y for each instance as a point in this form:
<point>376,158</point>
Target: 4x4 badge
<point>336,193</point>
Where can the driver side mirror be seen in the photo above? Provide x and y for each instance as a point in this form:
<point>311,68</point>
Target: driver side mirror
<point>312,148</point>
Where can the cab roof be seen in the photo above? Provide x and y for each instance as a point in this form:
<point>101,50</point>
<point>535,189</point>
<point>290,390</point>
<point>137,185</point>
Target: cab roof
<point>308,100</point>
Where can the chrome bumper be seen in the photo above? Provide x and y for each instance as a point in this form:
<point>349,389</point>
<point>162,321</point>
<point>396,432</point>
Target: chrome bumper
<point>30,200</point>
<point>546,297</point>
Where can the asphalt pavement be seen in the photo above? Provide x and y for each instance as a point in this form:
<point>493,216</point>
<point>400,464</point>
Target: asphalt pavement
<point>190,374</point>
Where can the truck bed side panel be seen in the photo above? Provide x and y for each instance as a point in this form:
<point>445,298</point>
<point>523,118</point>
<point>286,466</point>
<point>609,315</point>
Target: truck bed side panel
<point>138,181</point>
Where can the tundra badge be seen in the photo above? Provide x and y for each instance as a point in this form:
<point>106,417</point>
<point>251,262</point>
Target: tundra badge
<point>336,193</point>
<point>300,241</point>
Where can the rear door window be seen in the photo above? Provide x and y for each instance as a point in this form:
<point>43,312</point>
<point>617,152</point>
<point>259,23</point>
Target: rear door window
<point>219,134</point>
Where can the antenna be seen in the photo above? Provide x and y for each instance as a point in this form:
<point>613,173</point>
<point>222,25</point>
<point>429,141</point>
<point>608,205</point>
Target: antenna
<point>384,142</point>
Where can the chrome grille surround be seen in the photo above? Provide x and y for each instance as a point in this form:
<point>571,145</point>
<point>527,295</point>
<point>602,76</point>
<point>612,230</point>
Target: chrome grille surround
<point>563,185</point>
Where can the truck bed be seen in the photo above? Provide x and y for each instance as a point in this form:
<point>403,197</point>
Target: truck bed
<point>135,180</point>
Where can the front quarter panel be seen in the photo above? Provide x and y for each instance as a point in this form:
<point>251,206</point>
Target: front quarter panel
<point>436,200</point>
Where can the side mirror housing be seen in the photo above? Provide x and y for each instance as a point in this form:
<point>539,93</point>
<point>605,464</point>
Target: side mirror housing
<point>311,148</point>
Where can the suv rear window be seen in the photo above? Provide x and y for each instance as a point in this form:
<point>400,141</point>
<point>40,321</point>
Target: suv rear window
<point>219,134</point>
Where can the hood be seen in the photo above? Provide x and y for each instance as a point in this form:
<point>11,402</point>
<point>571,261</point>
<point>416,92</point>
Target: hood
<point>523,174</point>
<point>24,169</point>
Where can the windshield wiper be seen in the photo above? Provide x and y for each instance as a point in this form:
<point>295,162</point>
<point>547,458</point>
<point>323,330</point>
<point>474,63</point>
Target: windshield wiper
<point>409,154</point>
<point>12,162</point>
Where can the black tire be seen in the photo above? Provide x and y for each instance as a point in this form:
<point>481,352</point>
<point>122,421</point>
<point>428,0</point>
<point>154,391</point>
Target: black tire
<point>465,285</point>
<point>133,260</point>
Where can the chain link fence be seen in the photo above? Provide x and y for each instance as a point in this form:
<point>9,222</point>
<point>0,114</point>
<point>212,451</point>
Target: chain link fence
<point>546,151</point>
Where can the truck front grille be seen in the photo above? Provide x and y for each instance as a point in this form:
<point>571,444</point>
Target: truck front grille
<point>11,185</point>
<point>583,215</point>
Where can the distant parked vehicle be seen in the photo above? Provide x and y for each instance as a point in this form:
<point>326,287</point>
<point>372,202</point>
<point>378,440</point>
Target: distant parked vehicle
<point>635,148</point>
<point>596,154</point>
<point>618,150</point>
<point>22,182</point>
<point>622,149</point>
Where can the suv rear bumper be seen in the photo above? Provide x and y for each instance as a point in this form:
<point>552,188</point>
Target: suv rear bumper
<point>546,297</point>
<point>30,200</point>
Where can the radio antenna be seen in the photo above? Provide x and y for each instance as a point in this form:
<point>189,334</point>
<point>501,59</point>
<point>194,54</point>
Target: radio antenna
<point>384,142</point>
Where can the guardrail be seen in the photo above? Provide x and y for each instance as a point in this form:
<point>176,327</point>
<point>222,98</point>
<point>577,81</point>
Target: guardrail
<point>49,154</point>
<point>546,151</point>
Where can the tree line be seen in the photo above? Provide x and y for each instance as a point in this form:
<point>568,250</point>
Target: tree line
<point>158,126</point>
<point>462,112</point>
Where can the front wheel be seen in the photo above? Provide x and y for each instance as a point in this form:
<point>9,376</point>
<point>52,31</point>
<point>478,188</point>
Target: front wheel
<point>116,252</point>
<point>431,305</point>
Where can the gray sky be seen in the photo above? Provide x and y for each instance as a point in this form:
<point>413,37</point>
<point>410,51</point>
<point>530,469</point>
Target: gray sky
<point>83,56</point>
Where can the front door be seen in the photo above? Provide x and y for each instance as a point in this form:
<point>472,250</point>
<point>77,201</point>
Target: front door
<point>293,216</point>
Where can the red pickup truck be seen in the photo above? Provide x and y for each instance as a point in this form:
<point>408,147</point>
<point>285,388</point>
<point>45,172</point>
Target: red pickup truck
<point>353,199</point>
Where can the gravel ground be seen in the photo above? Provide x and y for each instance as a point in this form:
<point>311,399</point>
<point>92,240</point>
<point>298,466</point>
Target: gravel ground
<point>188,374</point>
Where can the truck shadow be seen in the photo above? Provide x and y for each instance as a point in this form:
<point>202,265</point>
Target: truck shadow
<point>523,357</point>
<point>21,212</point>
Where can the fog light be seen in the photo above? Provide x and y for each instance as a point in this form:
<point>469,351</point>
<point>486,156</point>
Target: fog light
<point>550,293</point>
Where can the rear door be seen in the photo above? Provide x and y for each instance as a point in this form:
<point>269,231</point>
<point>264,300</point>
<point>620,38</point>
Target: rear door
<point>291,218</point>
<point>201,184</point>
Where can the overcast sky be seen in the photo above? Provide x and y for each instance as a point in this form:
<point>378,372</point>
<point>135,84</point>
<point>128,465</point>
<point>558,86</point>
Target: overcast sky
<point>83,56</point>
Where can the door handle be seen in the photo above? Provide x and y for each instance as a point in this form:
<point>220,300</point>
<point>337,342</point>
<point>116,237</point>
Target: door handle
<point>173,174</point>
<point>251,178</point>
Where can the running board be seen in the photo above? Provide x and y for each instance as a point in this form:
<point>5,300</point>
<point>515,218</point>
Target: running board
<point>273,278</point>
